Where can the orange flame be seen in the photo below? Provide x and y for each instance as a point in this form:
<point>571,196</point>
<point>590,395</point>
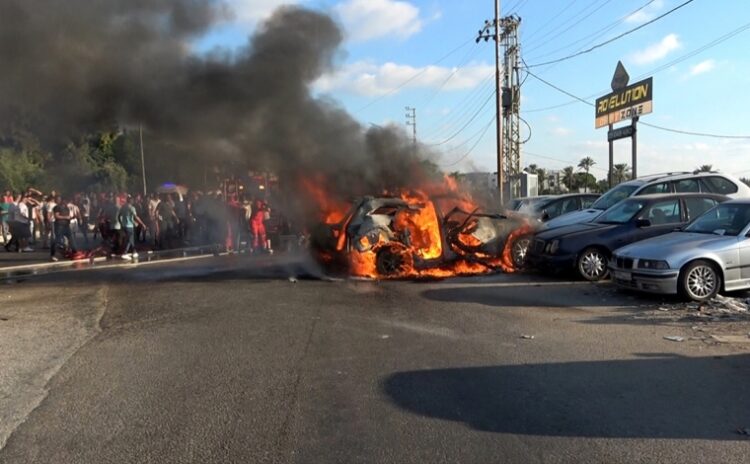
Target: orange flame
<point>424,229</point>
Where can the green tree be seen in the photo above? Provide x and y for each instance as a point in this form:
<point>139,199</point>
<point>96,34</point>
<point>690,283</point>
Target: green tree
<point>621,172</point>
<point>531,169</point>
<point>19,169</point>
<point>586,164</point>
<point>602,186</point>
<point>569,178</point>
<point>705,168</point>
<point>585,180</point>
<point>746,181</point>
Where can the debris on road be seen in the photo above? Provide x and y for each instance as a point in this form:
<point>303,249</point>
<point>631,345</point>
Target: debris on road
<point>674,338</point>
<point>720,308</point>
<point>527,337</point>
<point>731,338</point>
<point>743,431</point>
<point>293,280</point>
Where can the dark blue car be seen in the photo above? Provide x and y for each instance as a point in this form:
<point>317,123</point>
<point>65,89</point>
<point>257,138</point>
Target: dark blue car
<point>587,247</point>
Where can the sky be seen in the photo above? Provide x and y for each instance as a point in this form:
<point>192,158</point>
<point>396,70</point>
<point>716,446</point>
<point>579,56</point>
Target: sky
<point>422,54</point>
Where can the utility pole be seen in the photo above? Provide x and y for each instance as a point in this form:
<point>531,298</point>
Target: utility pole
<point>511,103</point>
<point>143,162</point>
<point>411,120</point>
<point>491,30</point>
<point>504,31</point>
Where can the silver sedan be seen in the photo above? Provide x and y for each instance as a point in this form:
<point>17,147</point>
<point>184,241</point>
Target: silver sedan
<point>711,254</point>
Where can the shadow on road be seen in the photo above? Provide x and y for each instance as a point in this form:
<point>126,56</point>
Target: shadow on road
<point>658,396</point>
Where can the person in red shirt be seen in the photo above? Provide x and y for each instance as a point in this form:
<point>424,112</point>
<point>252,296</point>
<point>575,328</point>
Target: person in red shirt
<point>258,226</point>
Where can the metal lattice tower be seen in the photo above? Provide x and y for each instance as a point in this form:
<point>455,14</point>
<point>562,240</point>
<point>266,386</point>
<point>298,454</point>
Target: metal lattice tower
<point>511,104</point>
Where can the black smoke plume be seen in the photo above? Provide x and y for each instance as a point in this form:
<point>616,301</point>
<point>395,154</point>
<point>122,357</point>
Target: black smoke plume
<point>75,66</point>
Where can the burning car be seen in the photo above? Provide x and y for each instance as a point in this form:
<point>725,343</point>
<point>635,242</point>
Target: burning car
<point>409,236</point>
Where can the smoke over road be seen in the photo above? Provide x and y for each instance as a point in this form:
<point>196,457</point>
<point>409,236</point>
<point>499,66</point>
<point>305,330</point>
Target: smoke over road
<point>76,66</point>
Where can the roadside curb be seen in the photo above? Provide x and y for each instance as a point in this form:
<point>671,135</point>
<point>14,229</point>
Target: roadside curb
<point>150,257</point>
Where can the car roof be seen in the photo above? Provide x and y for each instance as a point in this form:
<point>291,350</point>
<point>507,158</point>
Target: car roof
<point>661,196</point>
<point>740,201</point>
<point>672,176</point>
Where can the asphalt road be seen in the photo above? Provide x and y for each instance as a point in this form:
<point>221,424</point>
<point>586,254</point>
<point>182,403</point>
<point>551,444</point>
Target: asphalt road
<point>226,360</point>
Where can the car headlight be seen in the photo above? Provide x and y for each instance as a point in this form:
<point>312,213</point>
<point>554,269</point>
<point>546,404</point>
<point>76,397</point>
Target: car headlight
<point>552,247</point>
<point>652,264</point>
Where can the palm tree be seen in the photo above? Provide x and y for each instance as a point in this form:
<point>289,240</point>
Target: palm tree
<point>569,177</point>
<point>705,168</point>
<point>621,172</point>
<point>586,164</point>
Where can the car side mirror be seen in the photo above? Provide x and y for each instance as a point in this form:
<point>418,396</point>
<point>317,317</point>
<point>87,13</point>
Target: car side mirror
<point>642,223</point>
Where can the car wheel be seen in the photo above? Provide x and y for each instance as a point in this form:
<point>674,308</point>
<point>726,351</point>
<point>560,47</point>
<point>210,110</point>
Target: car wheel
<point>700,281</point>
<point>519,251</point>
<point>392,261</point>
<point>592,264</point>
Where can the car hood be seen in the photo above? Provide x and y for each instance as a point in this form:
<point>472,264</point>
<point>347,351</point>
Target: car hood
<point>575,217</point>
<point>574,229</point>
<point>670,245</point>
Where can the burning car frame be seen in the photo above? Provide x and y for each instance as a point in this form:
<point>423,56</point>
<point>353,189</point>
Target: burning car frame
<point>409,236</point>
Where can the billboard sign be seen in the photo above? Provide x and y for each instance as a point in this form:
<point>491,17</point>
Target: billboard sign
<point>626,103</point>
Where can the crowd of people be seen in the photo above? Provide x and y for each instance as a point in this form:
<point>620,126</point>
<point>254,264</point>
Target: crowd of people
<point>120,224</point>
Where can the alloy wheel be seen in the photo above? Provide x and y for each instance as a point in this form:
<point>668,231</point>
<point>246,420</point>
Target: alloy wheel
<point>593,265</point>
<point>701,281</point>
<point>520,251</point>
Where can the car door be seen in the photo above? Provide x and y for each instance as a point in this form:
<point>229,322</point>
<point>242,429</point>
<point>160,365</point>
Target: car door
<point>664,216</point>
<point>744,245</point>
<point>695,206</point>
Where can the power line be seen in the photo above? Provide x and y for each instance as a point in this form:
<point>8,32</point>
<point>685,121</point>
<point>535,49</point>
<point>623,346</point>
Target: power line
<point>555,16</point>
<point>606,42</point>
<point>580,20</point>
<point>461,109</point>
<point>473,117</point>
<point>558,88</point>
<point>412,78</point>
<point>668,129</point>
<point>568,162</point>
<point>469,55</point>
<point>600,32</point>
<point>463,157</point>
<point>658,69</point>
<point>698,134</point>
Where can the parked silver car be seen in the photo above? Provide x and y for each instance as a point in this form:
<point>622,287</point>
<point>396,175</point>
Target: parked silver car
<point>709,255</point>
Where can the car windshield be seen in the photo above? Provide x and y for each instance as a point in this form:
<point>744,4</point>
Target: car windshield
<point>614,196</point>
<point>533,205</point>
<point>622,212</point>
<point>725,219</point>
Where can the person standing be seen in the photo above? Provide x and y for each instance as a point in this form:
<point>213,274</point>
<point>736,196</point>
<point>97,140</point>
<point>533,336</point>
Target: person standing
<point>167,222</point>
<point>84,206</point>
<point>258,226</point>
<point>23,222</point>
<point>129,219</point>
<point>63,218</point>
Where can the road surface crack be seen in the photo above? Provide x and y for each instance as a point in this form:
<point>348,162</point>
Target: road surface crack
<point>282,437</point>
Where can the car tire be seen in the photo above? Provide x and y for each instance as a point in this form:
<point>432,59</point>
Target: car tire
<point>519,251</point>
<point>393,261</point>
<point>592,264</point>
<point>699,281</point>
